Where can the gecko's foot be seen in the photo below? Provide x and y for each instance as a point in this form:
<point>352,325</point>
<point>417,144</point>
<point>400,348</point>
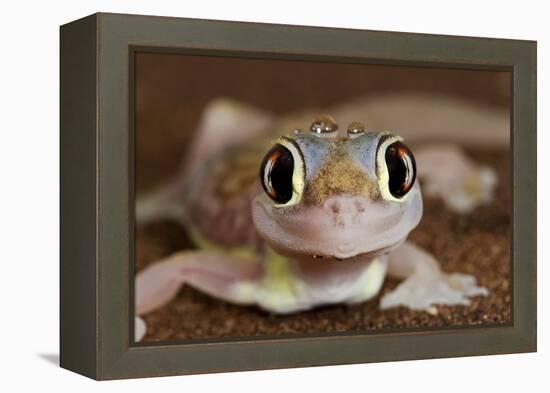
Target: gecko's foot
<point>449,174</point>
<point>418,293</point>
<point>475,189</point>
<point>139,329</point>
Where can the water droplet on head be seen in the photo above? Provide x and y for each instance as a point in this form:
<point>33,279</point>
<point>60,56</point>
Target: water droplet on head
<point>356,128</point>
<point>323,125</point>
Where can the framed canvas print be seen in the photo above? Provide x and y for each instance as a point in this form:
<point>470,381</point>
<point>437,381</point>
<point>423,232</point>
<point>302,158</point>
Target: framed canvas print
<point>240,196</point>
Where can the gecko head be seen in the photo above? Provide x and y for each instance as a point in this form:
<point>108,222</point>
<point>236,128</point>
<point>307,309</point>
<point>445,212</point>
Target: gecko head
<point>333,195</point>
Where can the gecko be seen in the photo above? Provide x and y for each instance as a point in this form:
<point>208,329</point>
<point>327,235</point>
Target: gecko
<point>290,218</point>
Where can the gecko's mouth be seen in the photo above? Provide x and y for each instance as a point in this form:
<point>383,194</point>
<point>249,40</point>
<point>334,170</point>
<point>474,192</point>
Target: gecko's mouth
<point>360,255</point>
<point>338,254</point>
<point>316,233</point>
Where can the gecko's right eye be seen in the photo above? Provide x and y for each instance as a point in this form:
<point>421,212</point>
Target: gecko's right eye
<point>395,167</point>
<point>401,168</point>
<point>282,173</point>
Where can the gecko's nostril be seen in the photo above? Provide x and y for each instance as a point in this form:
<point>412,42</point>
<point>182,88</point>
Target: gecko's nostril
<point>346,206</point>
<point>334,206</point>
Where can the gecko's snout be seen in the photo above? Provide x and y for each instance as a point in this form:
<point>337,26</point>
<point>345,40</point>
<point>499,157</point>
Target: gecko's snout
<point>345,205</point>
<point>345,209</point>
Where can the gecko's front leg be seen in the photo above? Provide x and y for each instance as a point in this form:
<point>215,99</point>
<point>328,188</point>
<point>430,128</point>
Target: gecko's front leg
<point>425,284</point>
<point>226,277</point>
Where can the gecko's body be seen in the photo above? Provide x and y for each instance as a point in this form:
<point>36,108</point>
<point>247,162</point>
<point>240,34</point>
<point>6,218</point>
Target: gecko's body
<point>323,223</point>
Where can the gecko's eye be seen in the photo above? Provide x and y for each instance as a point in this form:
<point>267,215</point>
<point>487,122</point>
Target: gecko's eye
<point>396,168</point>
<point>282,173</point>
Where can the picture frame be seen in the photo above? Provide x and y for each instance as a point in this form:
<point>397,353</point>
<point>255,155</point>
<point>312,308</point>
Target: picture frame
<point>97,194</point>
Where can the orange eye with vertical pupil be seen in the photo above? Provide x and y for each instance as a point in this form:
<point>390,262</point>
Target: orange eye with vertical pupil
<point>401,169</point>
<point>276,173</point>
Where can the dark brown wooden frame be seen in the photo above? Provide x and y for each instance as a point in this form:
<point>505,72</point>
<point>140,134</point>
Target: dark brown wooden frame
<point>97,176</point>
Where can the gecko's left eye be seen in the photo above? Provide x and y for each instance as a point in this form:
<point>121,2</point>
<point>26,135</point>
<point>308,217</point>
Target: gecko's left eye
<point>396,168</point>
<point>282,173</point>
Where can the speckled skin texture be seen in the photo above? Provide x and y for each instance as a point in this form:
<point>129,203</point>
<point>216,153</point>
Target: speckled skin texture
<point>475,244</point>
